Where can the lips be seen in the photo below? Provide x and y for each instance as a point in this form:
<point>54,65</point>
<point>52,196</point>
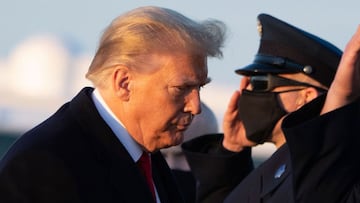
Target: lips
<point>184,123</point>
<point>183,127</point>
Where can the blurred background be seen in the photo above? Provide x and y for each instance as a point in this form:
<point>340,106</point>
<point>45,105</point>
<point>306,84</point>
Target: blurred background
<point>47,46</point>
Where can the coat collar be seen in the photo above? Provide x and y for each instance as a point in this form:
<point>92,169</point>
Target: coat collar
<point>123,171</point>
<point>276,170</point>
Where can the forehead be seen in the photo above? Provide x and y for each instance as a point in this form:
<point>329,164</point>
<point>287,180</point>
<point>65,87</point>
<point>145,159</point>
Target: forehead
<point>185,68</point>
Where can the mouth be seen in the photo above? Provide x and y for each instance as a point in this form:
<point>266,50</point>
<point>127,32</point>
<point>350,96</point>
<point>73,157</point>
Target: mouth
<point>183,123</point>
<point>183,127</point>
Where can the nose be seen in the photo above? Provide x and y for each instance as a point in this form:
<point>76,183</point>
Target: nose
<point>193,104</point>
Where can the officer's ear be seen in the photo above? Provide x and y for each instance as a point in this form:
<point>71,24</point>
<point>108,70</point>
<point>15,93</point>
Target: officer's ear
<point>307,95</point>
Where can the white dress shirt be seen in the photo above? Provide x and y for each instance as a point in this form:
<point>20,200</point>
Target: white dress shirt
<point>118,129</point>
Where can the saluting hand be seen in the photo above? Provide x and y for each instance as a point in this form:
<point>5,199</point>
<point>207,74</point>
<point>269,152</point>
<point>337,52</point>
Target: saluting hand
<point>234,131</point>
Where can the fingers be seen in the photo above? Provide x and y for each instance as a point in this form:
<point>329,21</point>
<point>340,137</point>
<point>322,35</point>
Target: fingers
<point>234,132</point>
<point>244,83</point>
<point>232,106</point>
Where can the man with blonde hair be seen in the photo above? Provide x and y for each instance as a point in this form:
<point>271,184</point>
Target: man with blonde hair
<point>103,145</point>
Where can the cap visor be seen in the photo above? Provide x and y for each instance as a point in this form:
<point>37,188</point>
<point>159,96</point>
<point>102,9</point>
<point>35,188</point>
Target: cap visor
<point>259,69</point>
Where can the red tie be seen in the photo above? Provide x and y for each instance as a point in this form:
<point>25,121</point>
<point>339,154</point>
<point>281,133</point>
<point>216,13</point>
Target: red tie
<point>145,165</point>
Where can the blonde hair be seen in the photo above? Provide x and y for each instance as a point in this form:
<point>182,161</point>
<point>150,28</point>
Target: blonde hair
<point>148,30</point>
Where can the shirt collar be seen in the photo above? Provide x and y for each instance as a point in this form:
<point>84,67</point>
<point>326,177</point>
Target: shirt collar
<point>116,126</point>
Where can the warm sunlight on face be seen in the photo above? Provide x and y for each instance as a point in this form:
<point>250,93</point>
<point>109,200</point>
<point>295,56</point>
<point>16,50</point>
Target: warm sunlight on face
<point>161,103</point>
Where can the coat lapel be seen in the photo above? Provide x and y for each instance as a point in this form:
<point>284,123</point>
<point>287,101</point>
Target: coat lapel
<point>129,184</point>
<point>165,181</point>
<point>276,171</point>
<point>124,174</point>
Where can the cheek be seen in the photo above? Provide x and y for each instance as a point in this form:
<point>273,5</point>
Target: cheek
<point>288,102</point>
<point>158,110</point>
<point>161,117</point>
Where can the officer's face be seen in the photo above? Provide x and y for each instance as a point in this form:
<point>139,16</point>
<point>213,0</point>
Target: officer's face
<point>292,93</point>
<point>289,87</point>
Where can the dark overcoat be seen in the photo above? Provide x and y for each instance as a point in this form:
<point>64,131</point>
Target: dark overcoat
<point>74,156</point>
<point>325,153</point>
<point>230,176</point>
<point>319,163</point>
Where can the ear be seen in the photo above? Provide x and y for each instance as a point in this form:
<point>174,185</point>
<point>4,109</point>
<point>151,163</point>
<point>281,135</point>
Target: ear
<point>308,94</point>
<point>121,80</point>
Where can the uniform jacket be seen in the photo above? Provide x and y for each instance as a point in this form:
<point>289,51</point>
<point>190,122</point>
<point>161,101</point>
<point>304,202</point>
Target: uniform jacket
<point>319,163</point>
<point>231,177</point>
<point>325,153</point>
<point>74,156</point>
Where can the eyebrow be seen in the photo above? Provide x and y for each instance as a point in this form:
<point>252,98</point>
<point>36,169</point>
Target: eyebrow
<point>193,83</point>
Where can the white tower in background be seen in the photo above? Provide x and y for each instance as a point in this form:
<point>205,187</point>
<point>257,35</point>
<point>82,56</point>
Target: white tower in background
<point>39,75</point>
<point>38,67</point>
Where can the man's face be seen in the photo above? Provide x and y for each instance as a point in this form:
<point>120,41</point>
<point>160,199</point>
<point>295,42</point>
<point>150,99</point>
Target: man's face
<point>288,94</point>
<point>161,102</point>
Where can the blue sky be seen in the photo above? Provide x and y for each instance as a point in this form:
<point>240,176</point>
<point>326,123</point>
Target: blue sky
<point>82,22</point>
<point>79,24</point>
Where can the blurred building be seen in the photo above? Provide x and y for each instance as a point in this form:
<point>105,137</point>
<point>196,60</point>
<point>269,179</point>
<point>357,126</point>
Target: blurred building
<point>36,77</point>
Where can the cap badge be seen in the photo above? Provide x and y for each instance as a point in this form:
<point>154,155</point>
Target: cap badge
<point>307,69</point>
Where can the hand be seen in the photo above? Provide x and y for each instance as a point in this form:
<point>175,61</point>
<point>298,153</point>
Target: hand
<point>234,132</point>
<point>346,85</point>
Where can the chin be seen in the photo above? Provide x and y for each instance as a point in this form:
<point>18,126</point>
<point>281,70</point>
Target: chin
<point>172,139</point>
<point>177,139</point>
<point>178,142</point>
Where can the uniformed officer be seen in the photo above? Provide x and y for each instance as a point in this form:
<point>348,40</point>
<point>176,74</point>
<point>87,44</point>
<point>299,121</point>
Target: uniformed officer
<point>291,68</point>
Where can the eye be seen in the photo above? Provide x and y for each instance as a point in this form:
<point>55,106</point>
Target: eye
<point>185,89</point>
<point>180,90</point>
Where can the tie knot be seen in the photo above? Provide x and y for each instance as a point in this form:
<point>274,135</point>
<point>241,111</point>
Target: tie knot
<point>144,160</point>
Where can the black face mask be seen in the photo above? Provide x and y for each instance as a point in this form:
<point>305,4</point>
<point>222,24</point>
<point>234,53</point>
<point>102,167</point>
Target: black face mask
<point>259,111</point>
